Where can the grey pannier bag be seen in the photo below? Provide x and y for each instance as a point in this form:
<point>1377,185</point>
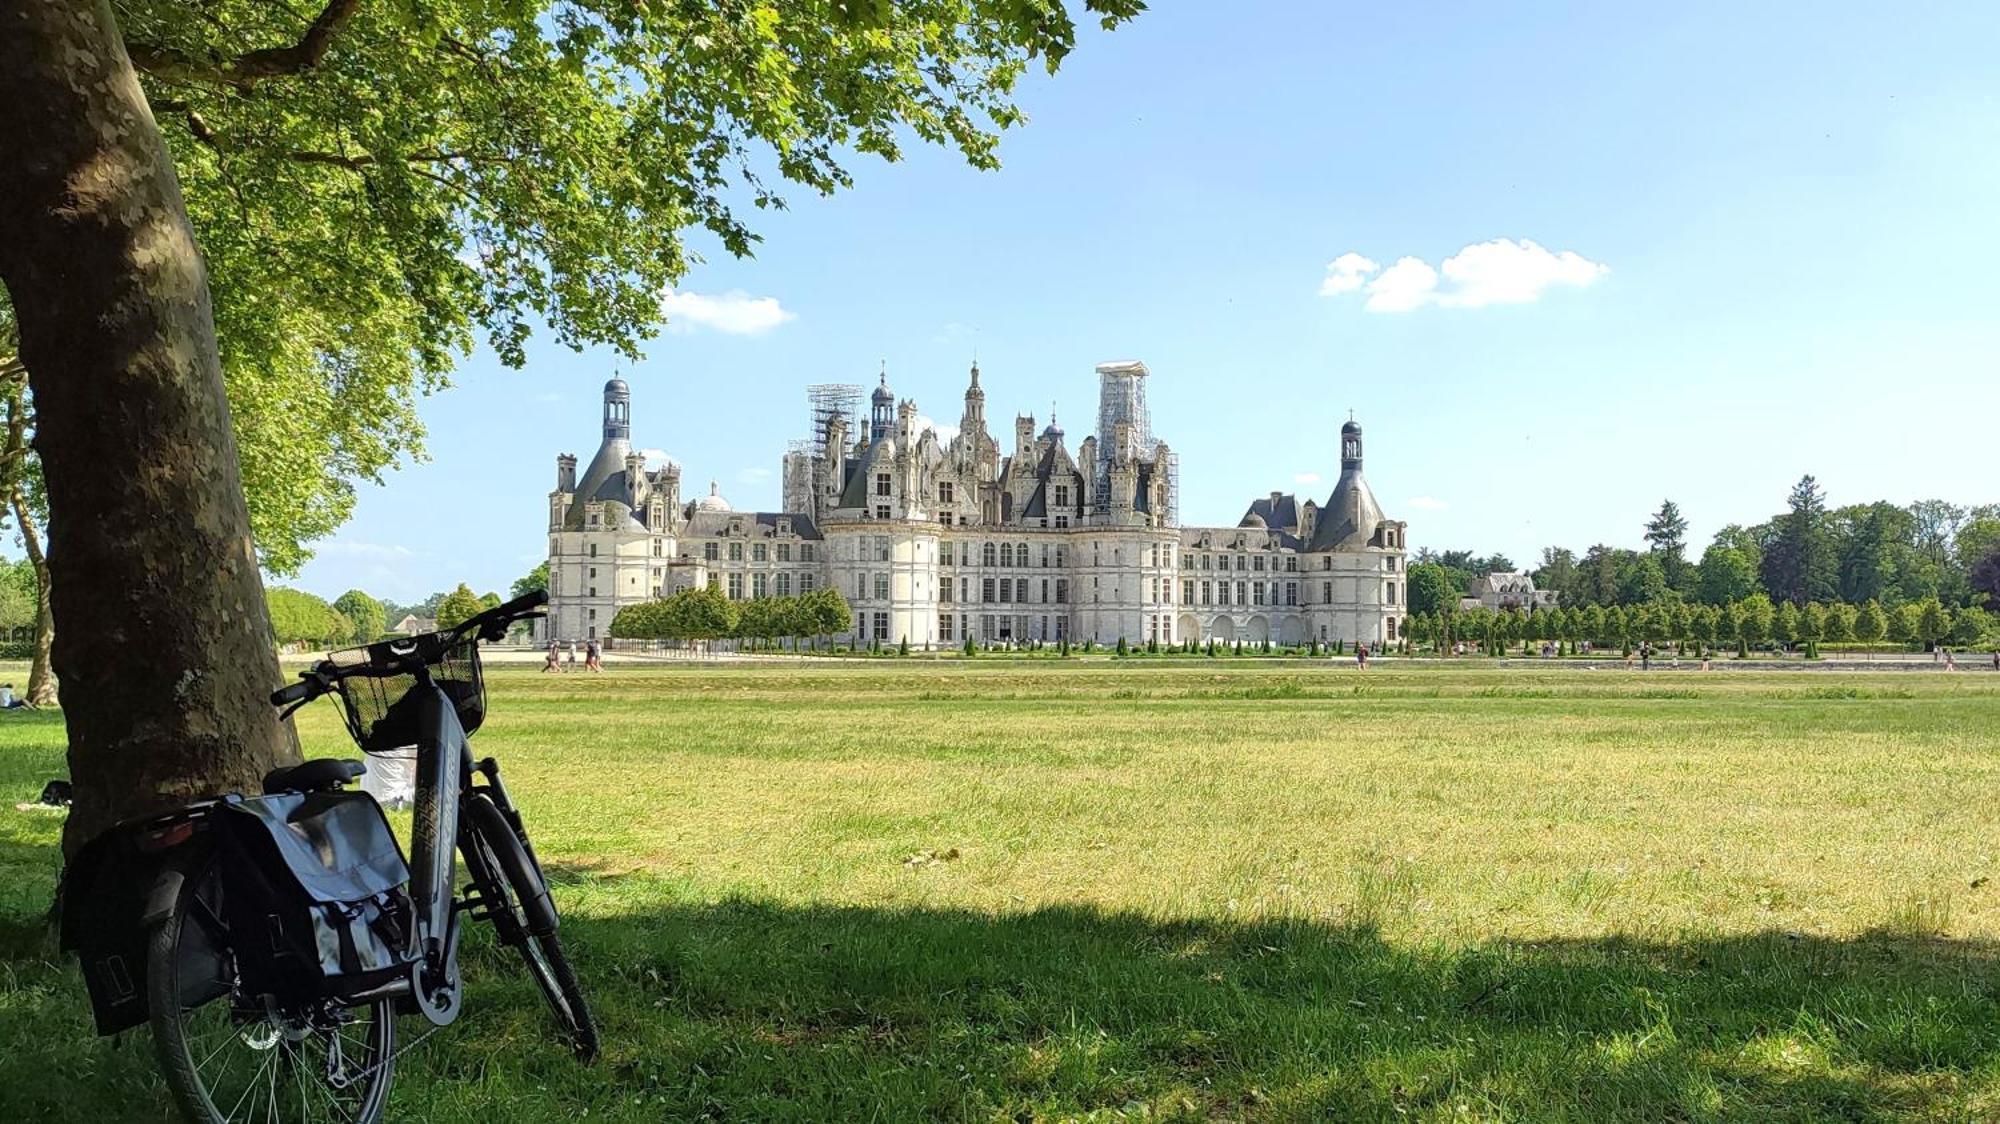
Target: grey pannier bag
<point>315,895</point>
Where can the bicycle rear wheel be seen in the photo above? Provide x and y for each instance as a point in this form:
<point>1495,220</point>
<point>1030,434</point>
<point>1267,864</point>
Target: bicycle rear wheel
<point>517,902</point>
<point>229,1058</point>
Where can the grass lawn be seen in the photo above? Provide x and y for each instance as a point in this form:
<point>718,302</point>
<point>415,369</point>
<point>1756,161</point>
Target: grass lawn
<point>900,891</point>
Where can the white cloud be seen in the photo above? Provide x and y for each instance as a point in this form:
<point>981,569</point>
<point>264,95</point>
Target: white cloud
<point>1426,503</point>
<point>735,312</point>
<point>1345,274</point>
<point>1305,478</point>
<point>1502,271</point>
<point>1410,283</point>
<point>658,458</point>
<point>376,552</point>
<point>946,434</point>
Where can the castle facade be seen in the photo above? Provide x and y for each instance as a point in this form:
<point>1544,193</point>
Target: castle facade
<point>934,541</point>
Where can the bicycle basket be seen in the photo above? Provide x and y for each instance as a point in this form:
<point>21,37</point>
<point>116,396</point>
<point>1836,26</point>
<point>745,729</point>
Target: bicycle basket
<point>382,710</point>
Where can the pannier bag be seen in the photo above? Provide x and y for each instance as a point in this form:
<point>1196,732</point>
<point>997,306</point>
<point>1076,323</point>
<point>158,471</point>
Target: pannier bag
<point>315,895</point>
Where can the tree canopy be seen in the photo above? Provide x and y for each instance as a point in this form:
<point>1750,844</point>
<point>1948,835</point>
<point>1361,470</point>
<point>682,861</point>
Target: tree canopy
<point>376,186</point>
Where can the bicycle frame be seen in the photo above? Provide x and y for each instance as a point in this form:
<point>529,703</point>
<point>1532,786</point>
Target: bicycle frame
<point>444,772</point>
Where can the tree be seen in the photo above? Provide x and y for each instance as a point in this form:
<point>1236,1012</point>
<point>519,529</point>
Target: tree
<point>1642,579</point>
<point>1725,575</point>
<point>458,606</point>
<point>1799,566</point>
<point>1558,574</point>
<point>535,581</point>
<point>298,617</point>
<point>1755,618</point>
<point>1840,618</point>
<point>1785,624</point>
<point>1431,589</point>
<point>342,181</point>
<point>1870,623</point>
<point>1985,578</point>
<point>17,597</point>
<point>1933,622</point>
<point>364,613</point>
<point>1666,536</point>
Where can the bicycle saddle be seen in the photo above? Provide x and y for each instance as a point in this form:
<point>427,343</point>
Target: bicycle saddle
<point>319,773</point>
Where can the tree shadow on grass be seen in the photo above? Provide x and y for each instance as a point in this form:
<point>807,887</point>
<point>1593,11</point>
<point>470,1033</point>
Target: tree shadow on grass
<point>757,1010</point>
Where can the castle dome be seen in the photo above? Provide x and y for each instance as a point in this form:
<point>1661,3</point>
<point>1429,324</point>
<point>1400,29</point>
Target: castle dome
<point>713,501</point>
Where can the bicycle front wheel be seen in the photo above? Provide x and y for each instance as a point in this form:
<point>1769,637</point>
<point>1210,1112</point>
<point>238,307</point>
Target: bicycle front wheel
<point>517,902</point>
<point>230,1058</point>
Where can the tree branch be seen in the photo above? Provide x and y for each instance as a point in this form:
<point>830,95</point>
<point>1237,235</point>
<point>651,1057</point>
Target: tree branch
<point>250,67</point>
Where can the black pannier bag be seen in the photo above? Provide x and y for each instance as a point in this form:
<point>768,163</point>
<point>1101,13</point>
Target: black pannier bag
<point>112,894</point>
<point>315,894</point>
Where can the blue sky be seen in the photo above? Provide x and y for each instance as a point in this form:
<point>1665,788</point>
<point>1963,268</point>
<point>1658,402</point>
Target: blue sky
<point>1768,245</point>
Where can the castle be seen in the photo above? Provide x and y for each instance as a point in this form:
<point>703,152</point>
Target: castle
<point>935,541</point>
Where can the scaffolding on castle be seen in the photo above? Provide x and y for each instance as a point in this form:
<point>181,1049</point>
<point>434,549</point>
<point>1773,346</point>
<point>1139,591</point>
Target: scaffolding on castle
<point>829,400</point>
<point>1121,400</point>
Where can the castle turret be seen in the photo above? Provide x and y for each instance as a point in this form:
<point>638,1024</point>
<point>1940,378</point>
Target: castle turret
<point>566,472</point>
<point>882,412</point>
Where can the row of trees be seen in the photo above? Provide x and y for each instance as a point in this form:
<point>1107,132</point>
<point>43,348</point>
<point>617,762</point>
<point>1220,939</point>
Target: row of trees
<point>1752,621</point>
<point>1805,554</point>
<point>705,614</point>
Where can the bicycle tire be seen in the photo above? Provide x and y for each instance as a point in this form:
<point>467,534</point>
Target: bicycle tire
<point>194,1081</point>
<point>508,877</point>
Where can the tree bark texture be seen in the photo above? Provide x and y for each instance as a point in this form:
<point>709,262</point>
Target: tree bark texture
<point>163,651</point>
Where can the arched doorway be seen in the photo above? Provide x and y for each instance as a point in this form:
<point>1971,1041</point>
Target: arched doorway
<point>1224,629</point>
<point>1256,630</point>
<point>1291,632</point>
<point>1188,627</point>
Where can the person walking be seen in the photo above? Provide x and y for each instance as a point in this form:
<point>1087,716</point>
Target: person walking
<point>1361,656</point>
<point>592,658</point>
<point>1645,657</point>
<point>572,653</point>
<point>554,662</point>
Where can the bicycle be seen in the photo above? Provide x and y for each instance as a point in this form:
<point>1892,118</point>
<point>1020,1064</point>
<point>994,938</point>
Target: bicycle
<point>231,1052</point>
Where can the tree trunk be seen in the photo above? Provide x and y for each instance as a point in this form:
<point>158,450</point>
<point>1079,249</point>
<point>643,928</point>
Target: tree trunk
<point>163,656</point>
<point>41,683</point>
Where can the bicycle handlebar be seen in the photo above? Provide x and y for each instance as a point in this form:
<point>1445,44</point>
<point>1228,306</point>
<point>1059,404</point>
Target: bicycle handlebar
<point>489,625</point>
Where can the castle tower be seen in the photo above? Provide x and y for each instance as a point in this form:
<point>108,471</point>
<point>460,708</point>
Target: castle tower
<point>617,411</point>
<point>882,413</point>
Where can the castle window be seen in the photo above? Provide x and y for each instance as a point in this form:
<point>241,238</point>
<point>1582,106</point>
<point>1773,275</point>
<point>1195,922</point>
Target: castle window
<point>1240,561</point>
<point>593,571</point>
<point>1257,588</point>
<point>1062,556</point>
<point>1021,552</point>
<point>1292,564</point>
<point>760,552</point>
<point>1291,593</point>
<point>593,593</point>
<point>1239,594</point>
<point>944,554</point>
<point>1326,592</point>
<point>805,583</point>
<point>1062,495</point>
<point>784,552</point>
<point>1062,522</point>
<point>1257,563</point>
<point>944,492</point>
<point>760,585</point>
<point>1326,562</point>
<point>881,483</point>
<point>656,548</point>
<point>736,587</point>
<point>1392,628</point>
<point>881,626</point>
<point>806,552</point>
<point>1006,554</point>
<point>881,548</point>
<point>593,550</point>
<point>1187,591</point>
<point>986,591</point>
<point>1392,594</point>
<point>881,587</point>
<point>736,552</point>
<point>784,585</point>
<point>1390,562</point>
<point>944,591</point>
<point>882,511</point>
<point>1222,593</point>
<point>1062,591</point>
<point>1207,562</point>
<point>944,627</point>
<point>711,551</point>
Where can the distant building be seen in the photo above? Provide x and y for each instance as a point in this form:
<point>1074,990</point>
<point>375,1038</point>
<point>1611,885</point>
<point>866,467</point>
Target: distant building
<point>1500,591</point>
<point>412,624</point>
<point>936,540</point>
